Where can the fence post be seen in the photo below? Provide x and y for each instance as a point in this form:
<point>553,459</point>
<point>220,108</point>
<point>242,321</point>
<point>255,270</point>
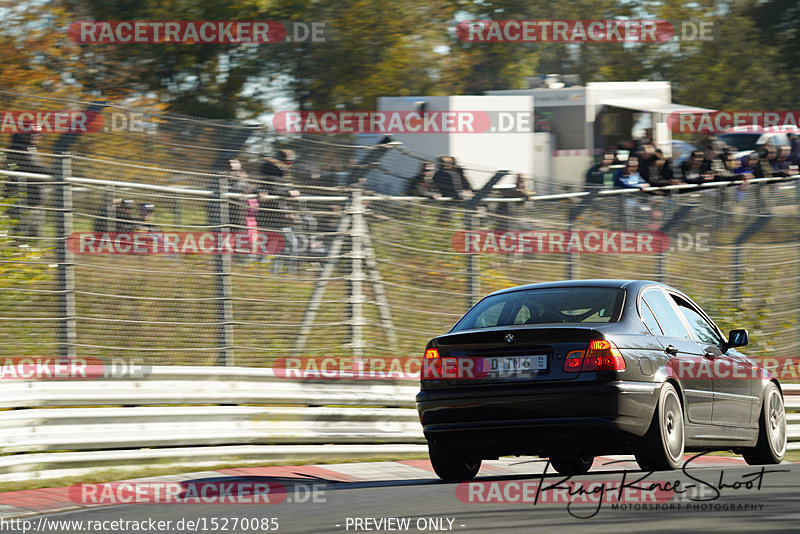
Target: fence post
<point>738,266</point>
<point>759,199</point>
<point>662,266</point>
<point>356,278</point>
<point>797,191</point>
<point>571,215</point>
<point>67,331</point>
<point>473,264</point>
<point>220,220</point>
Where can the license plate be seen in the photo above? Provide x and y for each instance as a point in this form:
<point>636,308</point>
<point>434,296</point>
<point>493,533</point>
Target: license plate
<point>517,365</point>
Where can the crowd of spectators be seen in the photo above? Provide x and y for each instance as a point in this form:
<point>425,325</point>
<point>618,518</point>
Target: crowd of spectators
<point>641,165</point>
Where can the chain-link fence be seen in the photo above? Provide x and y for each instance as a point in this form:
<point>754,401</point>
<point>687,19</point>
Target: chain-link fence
<point>345,269</point>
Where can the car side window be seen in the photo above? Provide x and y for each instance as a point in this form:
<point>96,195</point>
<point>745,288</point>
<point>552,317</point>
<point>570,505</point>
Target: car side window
<point>703,330</point>
<point>671,324</point>
<point>650,320</point>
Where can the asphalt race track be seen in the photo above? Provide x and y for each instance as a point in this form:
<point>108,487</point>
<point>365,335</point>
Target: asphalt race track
<point>714,494</point>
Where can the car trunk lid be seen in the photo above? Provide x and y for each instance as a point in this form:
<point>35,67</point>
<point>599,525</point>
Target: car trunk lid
<point>509,354</point>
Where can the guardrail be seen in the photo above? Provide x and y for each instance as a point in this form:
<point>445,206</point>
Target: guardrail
<point>203,416</point>
<point>199,416</point>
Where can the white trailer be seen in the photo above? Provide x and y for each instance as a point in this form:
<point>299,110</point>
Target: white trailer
<point>584,120</point>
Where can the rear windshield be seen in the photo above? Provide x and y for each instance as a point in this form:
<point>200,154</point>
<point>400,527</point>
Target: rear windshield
<point>543,306</point>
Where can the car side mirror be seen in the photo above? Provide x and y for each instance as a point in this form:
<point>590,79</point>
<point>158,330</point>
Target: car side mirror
<point>738,338</point>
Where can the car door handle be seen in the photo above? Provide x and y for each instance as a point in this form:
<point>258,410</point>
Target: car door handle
<point>670,349</point>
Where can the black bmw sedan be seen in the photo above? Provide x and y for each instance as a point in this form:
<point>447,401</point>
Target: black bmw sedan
<point>571,370</point>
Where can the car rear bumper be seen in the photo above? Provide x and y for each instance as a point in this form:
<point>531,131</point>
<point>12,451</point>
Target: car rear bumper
<point>543,416</point>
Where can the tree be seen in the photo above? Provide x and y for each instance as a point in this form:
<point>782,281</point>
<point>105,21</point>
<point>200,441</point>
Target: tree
<point>372,51</point>
<point>205,80</point>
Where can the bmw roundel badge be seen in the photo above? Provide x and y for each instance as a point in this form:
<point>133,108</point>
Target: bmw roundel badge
<point>509,338</point>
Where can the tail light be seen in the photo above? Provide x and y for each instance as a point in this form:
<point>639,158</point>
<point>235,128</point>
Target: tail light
<point>602,355</point>
<point>435,367</point>
<point>431,365</point>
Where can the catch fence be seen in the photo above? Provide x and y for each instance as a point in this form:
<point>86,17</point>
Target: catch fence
<point>358,272</point>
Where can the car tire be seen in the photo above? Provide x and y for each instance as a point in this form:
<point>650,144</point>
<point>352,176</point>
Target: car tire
<point>771,445</point>
<point>572,465</point>
<point>662,447</point>
<point>453,464</point>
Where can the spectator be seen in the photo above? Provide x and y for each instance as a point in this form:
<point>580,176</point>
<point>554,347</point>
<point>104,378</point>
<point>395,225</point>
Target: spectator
<point>104,221</point>
<point>277,214</point>
<point>506,210</point>
<point>250,214</point>
<point>521,190</point>
<point>422,184</point>
<point>712,165</point>
<point>663,174</point>
<point>466,187</point>
<point>146,216</point>
<point>729,165</point>
<point>126,219</point>
<point>237,176</point>
<point>238,184</point>
<point>448,180</point>
<point>794,154</point>
<point>629,177</point>
<point>710,141</point>
<point>766,154</point>
<point>746,171</point>
<point>629,147</point>
<point>600,174</point>
<point>23,156</point>
<point>780,164</point>
<point>691,169</point>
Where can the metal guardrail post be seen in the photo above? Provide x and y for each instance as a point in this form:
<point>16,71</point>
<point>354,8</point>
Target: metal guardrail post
<point>357,278</point>
<point>67,328</point>
<point>220,219</point>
